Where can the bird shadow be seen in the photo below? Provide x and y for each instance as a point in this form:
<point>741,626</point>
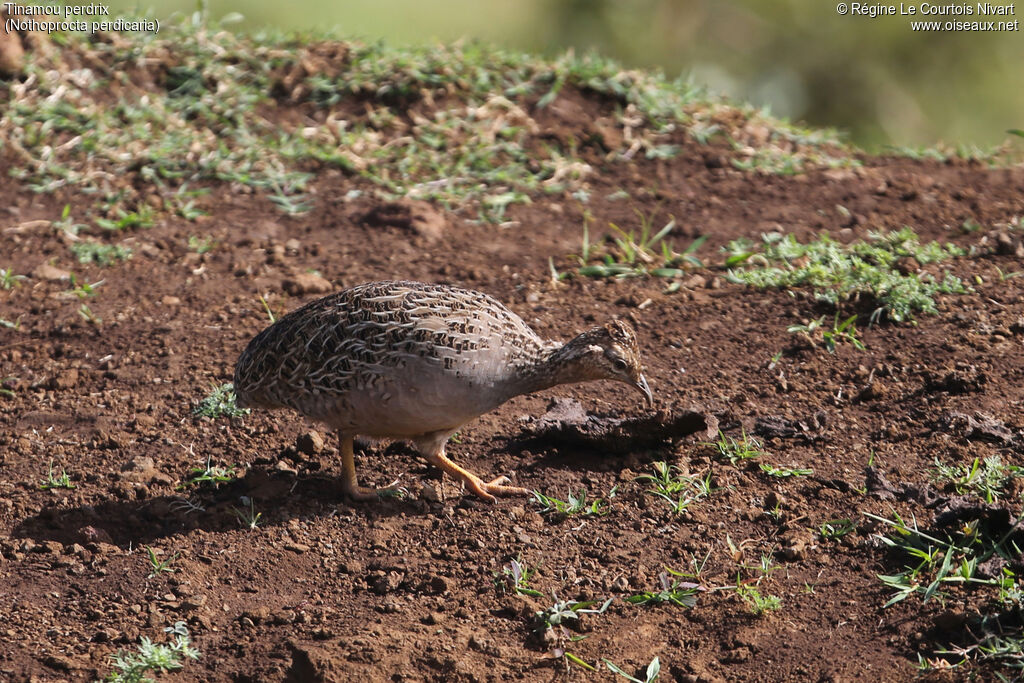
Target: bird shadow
<point>260,499</point>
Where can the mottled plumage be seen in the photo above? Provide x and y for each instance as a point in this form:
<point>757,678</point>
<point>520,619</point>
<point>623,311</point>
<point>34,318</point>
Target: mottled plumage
<point>417,361</point>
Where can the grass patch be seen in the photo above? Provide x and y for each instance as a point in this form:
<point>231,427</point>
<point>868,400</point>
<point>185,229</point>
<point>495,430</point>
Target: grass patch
<point>220,402</point>
<point>736,450</point>
<point>757,602</point>
<point>976,565</point>
<point>941,560</point>
<point>837,274</point>
<point>844,332</point>
<point>473,141</point>
<point>637,253</point>
<point>101,254</point>
<point>677,489</point>
<point>209,474</point>
<point>987,478</point>
<point>132,667</point>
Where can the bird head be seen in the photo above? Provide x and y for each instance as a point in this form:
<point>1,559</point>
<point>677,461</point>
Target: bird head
<point>610,352</point>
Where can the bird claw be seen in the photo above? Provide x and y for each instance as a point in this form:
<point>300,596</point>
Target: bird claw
<point>496,487</point>
<point>364,495</point>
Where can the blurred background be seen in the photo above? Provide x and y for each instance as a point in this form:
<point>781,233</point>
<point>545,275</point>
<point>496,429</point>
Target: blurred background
<point>876,79</point>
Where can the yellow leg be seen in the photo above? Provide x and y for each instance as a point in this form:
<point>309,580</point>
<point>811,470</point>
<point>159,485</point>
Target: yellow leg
<point>350,483</point>
<point>485,490</point>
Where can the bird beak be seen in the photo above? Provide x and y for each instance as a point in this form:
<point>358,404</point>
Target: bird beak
<point>641,384</point>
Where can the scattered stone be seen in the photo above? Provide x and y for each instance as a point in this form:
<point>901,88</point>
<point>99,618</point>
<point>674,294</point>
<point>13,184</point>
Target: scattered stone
<point>1007,245</point>
<point>695,282</point>
<point>286,466</point>
<point>433,619</point>
<point>309,443</point>
<point>874,391</point>
<point>418,216</point>
<point>100,539</point>
<point>193,602</point>
<point>170,301</point>
<point>979,427</point>
<point>353,567</point>
<point>66,379</point>
<point>45,271</point>
<point>795,549</point>
<point>960,381</point>
<point>382,583</point>
<point>297,547</point>
<point>306,283</point>
<point>142,470</point>
<point>312,664</point>
<point>429,493</point>
<point>60,662</point>
<point>877,485</point>
<point>257,615</point>
<point>438,585</point>
<point>778,427</point>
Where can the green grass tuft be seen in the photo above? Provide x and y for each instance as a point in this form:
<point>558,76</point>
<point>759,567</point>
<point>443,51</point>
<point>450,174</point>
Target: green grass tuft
<point>220,403</point>
<point>836,273</point>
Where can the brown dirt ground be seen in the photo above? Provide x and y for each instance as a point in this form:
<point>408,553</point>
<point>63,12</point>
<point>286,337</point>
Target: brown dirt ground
<point>405,589</point>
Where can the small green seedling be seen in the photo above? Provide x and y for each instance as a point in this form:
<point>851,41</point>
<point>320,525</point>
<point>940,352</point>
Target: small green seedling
<point>650,675</point>
<point>247,515</point>
<point>574,504</point>
<point>836,528</point>
<point>101,254</point>
<point>844,332</point>
<point>266,308</point>
<point>733,450</point>
<point>516,576</point>
<point>8,280</point>
<point>210,474</point>
<point>4,391</point>
<point>67,224</point>
<point>83,290</point>
<point>783,471</point>
<point>158,566</point>
<point>88,316</point>
<point>201,245</point>
<point>674,591</point>
<point>987,478</point>
<point>143,218</point>
<point>55,481</point>
<point>564,611</point>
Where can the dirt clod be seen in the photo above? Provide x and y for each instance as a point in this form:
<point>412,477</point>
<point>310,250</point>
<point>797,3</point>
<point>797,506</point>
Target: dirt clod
<point>306,283</point>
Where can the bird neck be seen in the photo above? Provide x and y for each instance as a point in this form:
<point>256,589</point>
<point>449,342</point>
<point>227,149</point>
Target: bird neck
<point>557,364</point>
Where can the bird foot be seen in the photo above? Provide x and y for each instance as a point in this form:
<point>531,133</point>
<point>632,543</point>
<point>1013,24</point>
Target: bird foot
<point>365,495</point>
<point>496,487</point>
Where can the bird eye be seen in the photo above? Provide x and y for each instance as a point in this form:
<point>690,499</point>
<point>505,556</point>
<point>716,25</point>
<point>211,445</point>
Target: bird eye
<point>619,364</point>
